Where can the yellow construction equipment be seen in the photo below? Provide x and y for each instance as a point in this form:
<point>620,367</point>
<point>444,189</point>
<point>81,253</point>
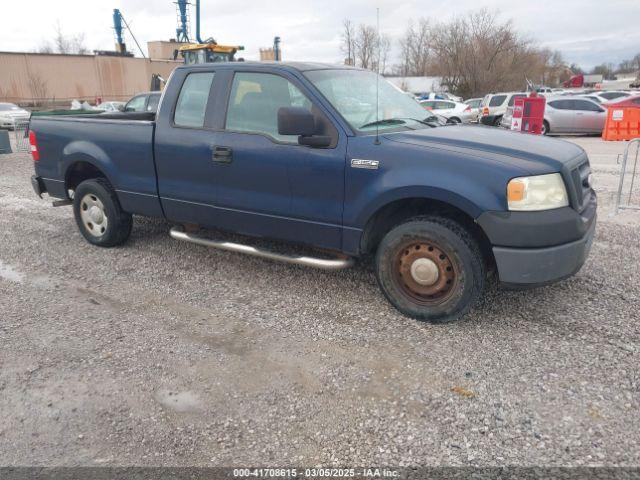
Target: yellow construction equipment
<point>208,53</point>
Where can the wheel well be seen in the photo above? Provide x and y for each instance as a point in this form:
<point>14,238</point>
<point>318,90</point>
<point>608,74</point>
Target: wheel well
<point>79,172</point>
<point>395,213</point>
<point>455,119</point>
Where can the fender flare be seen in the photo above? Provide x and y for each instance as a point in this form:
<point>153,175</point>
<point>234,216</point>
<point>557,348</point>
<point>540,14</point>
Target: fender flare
<point>87,152</point>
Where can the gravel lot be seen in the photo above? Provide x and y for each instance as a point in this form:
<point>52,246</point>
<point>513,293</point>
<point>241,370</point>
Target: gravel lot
<point>165,353</point>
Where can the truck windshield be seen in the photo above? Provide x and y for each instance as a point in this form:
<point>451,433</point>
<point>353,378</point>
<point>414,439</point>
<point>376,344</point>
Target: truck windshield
<point>353,94</point>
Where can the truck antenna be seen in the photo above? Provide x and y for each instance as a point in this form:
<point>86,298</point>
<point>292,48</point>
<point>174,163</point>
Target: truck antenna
<point>377,140</point>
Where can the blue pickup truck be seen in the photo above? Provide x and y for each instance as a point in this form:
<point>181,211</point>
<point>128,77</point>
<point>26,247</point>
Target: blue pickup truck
<point>337,159</point>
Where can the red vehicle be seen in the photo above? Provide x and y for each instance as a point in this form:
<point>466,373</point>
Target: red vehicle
<point>579,81</point>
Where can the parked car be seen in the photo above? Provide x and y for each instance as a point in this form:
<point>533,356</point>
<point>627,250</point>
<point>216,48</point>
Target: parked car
<point>111,106</point>
<point>593,97</point>
<point>10,114</point>
<point>611,95</point>
<point>439,96</point>
<point>573,115</point>
<point>286,151</point>
<point>143,102</point>
<point>475,104</point>
<point>495,105</point>
<point>454,111</point>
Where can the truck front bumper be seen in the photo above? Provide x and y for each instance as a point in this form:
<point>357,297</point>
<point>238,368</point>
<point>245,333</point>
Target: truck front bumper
<point>531,267</point>
<point>538,248</point>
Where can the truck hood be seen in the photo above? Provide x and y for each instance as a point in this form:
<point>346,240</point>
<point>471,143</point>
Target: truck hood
<point>533,153</point>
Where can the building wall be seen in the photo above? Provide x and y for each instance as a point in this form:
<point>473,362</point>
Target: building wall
<point>162,49</point>
<point>33,78</point>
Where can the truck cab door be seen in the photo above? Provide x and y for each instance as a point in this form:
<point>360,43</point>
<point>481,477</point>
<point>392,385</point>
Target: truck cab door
<point>268,184</point>
<point>183,148</point>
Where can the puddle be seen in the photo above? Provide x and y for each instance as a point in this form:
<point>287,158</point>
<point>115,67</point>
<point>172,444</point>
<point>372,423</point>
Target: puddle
<point>179,401</point>
<point>7,272</point>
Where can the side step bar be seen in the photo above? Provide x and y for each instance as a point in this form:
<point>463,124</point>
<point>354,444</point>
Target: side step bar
<point>325,264</point>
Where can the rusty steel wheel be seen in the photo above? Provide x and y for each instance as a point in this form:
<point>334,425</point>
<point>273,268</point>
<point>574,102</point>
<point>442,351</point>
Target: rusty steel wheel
<point>430,268</point>
<point>425,272</point>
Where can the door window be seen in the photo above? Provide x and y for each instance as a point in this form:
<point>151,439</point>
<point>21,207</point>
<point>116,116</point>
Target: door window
<point>255,101</point>
<point>192,101</point>
<point>152,105</point>
<point>136,104</point>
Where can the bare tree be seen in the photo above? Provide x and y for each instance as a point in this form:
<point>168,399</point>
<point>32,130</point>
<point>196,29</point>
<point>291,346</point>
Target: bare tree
<point>38,87</point>
<point>349,41</point>
<point>415,49</point>
<point>477,54</point>
<point>366,47</point>
<point>44,47</point>
<point>74,44</point>
<point>383,48</point>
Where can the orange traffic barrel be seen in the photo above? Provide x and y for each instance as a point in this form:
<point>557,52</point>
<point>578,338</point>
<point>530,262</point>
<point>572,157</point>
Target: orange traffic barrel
<point>623,121</point>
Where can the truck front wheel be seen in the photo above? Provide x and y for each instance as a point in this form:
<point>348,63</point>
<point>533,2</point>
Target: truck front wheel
<point>98,214</point>
<point>430,268</point>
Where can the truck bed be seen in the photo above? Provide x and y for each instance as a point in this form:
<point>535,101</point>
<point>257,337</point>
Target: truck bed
<point>120,143</point>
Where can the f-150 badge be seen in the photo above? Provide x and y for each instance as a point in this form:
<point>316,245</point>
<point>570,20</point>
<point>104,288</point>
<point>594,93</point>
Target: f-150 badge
<point>367,164</point>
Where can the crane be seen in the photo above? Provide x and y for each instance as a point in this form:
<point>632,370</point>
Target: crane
<point>200,51</point>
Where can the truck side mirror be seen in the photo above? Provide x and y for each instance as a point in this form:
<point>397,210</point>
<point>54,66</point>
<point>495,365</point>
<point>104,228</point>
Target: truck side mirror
<point>301,122</point>
<point>296,121</point>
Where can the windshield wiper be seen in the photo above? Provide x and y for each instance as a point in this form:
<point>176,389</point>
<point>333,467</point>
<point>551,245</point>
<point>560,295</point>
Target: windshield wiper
<point>385,121</point>
<point>395,120</point>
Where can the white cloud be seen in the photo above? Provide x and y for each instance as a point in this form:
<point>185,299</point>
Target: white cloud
<point>586,31</point>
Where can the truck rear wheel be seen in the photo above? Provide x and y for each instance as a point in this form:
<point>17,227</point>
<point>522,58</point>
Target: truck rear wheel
<point>430,268</point>
<point>98,214</point>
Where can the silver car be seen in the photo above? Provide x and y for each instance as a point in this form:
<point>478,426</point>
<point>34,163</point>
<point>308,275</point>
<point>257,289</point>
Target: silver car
<point>11,114</point>
<point>573,115</point>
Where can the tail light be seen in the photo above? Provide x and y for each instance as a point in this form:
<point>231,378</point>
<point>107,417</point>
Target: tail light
<point>485,111</point>
<point>468,109</point>
<point>35,153</point>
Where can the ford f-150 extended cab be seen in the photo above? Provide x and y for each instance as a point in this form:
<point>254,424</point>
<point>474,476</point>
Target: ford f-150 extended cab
<point>305,153</point>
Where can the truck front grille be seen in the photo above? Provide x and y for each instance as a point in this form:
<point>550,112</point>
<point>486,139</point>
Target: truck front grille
<point>580,184</point>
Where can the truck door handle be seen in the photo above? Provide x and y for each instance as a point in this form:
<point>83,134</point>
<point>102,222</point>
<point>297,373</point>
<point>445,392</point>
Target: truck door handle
<point>222,154</point>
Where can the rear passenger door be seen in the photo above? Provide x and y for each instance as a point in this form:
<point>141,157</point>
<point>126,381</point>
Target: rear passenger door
<point>267,184</point>
<point>589,117</point>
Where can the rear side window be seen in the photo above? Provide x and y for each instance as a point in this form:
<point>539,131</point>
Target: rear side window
<point>255,101</point>
<point>192,101</point>
<point>585,106</point>
<point>136,104</point>
<point>512,100</point>
<point>562,104</point>
<point>497,100</point>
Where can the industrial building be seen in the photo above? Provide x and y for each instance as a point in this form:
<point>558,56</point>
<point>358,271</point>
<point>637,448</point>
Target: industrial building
<point>47,80</point>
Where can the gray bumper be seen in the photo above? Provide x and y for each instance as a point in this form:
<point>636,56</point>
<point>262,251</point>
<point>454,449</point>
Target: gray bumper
<point>539,266</point>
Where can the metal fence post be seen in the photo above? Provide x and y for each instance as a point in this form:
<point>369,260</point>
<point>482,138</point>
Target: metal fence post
<point>623,172</point>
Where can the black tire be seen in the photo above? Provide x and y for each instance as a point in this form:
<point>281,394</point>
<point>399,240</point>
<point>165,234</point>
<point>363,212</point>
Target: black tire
<point>455,120</point>
<point>116,229</point>
<point>497,121</point>
<point>545,128</point>
<point>460,277</point>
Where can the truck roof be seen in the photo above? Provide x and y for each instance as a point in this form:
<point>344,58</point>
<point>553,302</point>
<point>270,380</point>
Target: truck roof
<point>299,66</point>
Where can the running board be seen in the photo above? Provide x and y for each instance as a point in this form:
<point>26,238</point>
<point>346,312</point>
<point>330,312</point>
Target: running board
<point>325,264</point>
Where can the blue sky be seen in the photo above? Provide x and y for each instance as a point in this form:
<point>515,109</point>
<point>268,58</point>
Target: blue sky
<point>587,32</point>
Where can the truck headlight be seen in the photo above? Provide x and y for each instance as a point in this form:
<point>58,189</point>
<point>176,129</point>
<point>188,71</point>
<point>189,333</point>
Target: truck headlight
<point>540,192</point>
